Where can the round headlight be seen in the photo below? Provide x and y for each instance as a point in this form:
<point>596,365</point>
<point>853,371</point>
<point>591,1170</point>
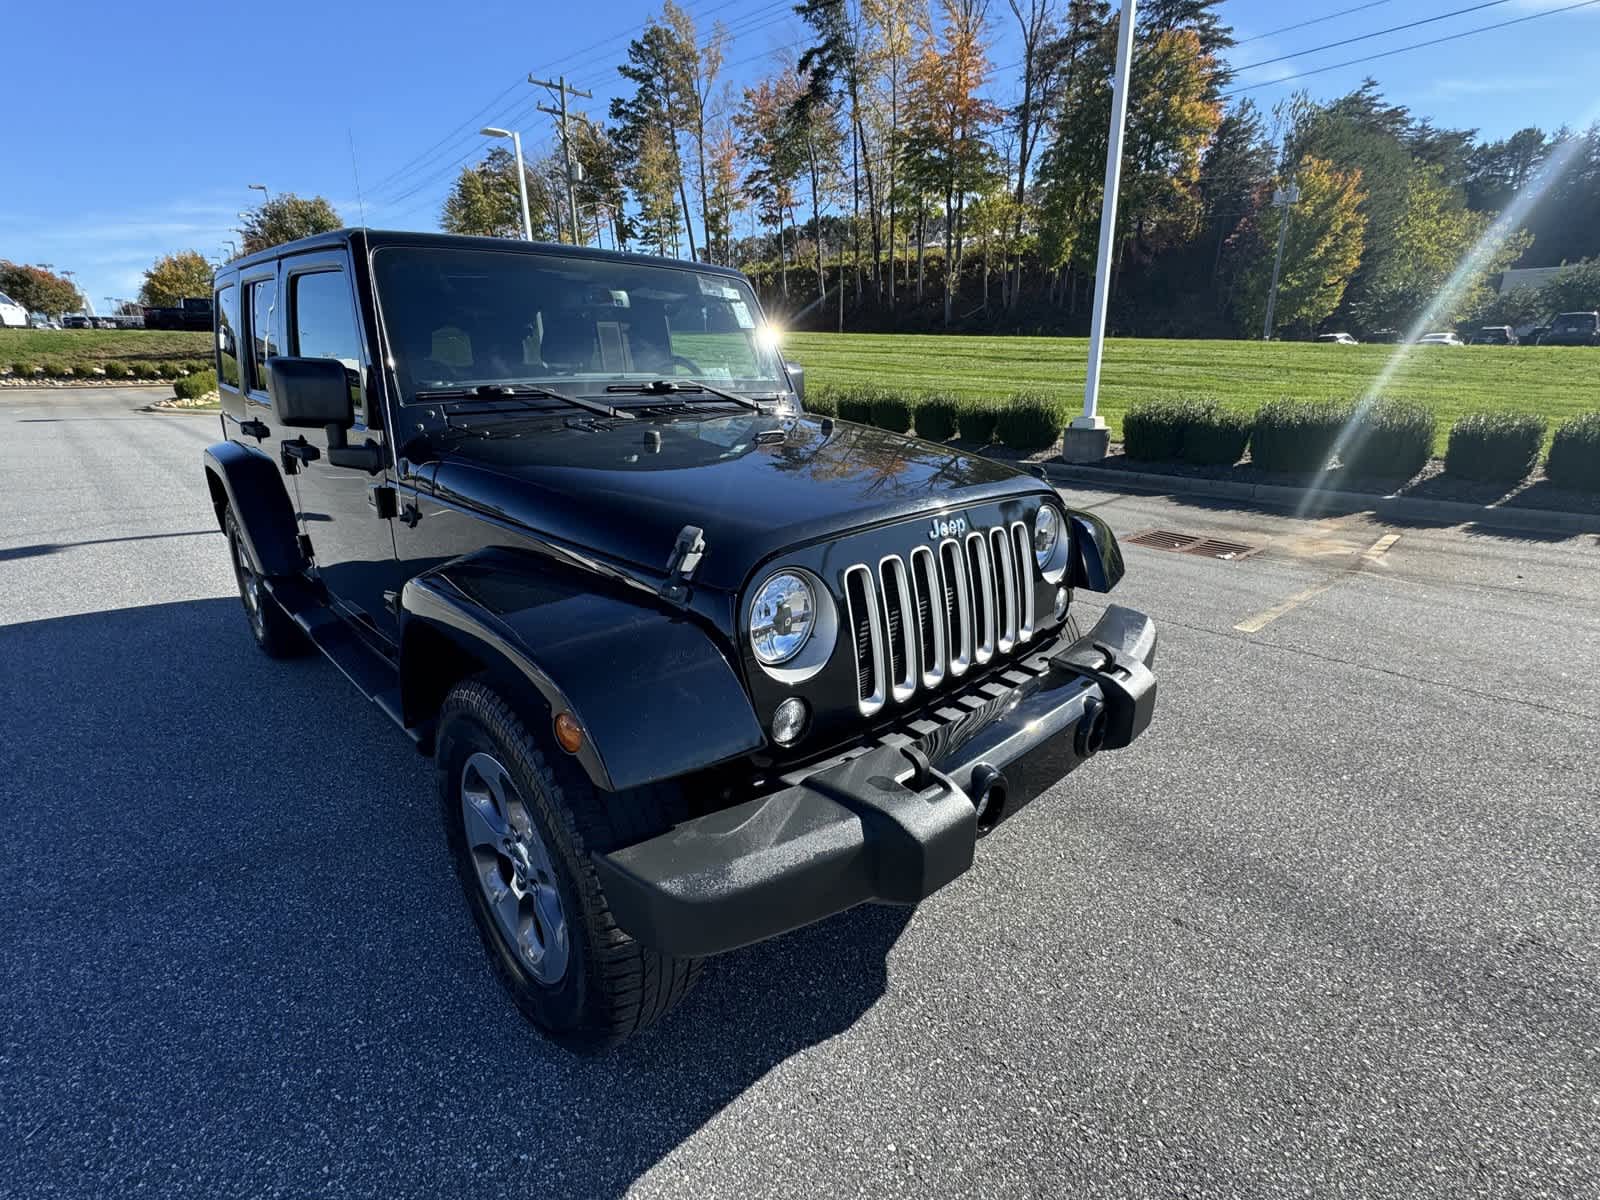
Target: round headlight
<point>781,618</point>
<point>1046,533</point>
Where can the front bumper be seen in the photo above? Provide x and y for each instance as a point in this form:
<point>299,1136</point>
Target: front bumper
<point>893,823</point>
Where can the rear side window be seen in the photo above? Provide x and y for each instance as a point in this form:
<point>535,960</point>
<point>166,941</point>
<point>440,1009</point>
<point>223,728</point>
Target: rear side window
<point>227,335</point>
<point>263,297</point>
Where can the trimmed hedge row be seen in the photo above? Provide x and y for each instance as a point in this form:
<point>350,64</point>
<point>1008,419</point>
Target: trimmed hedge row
<point>1387,439</point>
<point>1025,422</point>
<point>1494,447</point>
<point>1574,460</point>
<point>157,371</point>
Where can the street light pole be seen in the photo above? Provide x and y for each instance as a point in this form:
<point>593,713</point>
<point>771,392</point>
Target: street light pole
<point>1092,438</point>
<point>522,176</point>
<point>1282,198</point>
<point>266,196</point>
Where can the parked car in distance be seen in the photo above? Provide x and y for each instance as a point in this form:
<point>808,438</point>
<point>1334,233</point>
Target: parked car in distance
<point>39,320</point>
<point>1336,339</point>
<point>192,312</point>
<point>1440,339</point>
<point>1573,329</point>
<point>696,667</point>
<point>12,314</point>
<point>1494,335</point>
<point>77,321</point>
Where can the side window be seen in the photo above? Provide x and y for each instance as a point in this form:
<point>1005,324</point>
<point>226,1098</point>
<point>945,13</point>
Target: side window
<point>324,322</point>
<point>227,335</point>
<point>263,300</point>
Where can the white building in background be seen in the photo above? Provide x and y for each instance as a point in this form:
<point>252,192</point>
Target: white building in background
<point>1531,277</point>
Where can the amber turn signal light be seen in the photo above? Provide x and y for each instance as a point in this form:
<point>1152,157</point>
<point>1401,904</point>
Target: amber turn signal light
<point>569,734</point>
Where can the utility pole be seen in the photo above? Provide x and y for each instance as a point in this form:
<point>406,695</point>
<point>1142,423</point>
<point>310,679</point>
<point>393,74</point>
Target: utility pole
<point>1087,438</point>
<point>1282,198</point>
<point>562,90</point>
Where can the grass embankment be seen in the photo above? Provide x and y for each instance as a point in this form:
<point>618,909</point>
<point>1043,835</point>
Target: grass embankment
<point>84,349</point>
<point>1556,382</point>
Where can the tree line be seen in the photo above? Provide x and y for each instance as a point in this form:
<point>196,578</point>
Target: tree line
<point>893,174</point>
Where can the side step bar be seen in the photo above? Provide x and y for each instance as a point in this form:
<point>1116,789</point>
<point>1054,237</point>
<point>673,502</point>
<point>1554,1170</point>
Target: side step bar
<point>361,663</point>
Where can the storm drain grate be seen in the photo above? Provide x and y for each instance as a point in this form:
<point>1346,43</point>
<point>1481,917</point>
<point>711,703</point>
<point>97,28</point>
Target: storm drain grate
<point>1191,543</point>
<point>1164,539</point>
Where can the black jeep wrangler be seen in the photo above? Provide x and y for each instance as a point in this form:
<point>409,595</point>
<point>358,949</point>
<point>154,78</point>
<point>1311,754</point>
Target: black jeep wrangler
<point>695,667</point>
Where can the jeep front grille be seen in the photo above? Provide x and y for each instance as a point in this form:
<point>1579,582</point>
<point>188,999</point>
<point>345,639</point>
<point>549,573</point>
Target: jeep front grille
<point>913,623</point>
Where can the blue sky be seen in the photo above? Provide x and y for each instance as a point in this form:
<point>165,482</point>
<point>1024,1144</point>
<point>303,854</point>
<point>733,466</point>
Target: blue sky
<point>132,129</point>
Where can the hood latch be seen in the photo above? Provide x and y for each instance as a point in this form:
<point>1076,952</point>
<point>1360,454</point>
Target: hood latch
<point>681,563</point>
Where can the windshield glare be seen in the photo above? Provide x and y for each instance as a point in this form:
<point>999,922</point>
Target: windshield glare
<point>468,316</point>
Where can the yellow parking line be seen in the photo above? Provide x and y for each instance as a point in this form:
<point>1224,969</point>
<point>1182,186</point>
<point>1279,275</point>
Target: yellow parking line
<point>1261,620</point>
<point>1376,551</point>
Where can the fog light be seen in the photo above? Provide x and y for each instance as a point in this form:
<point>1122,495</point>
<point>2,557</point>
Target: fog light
<point>1062,596</point>
<point>789,721</point>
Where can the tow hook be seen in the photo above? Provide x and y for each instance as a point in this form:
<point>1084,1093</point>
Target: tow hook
<point>988,796</point>
<point>1091,735</point>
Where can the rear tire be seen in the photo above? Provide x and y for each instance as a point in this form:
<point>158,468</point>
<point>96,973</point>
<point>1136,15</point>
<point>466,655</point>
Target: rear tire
<point>274,631</point>
<point>521,818</point>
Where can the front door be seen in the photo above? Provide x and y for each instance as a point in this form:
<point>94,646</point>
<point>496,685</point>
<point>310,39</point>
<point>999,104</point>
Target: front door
<point>352,548</point>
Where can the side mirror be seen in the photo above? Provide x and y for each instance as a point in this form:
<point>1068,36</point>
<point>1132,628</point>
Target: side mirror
<point>797,380</point>
<point>310,393</point>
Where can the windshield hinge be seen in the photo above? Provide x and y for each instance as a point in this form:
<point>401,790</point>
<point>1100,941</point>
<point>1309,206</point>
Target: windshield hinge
<point>681,563</point>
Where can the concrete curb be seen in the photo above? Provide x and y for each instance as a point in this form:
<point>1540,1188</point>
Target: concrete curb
<point>1400,508</point>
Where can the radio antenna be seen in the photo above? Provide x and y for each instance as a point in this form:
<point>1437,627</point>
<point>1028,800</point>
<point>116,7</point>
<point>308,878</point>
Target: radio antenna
<point>355,171</point>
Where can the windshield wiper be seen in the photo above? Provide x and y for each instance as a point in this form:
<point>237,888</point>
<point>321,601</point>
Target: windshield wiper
<point>518,391</point>
<point>663,387</point>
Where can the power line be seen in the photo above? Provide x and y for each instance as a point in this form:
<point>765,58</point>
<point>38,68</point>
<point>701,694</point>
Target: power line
<point>1367,37</point>
<point>1549,12</point>
<point>1344,12</point>
<point>468,128</point>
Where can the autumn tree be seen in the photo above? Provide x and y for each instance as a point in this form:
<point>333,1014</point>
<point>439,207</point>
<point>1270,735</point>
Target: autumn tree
<point>812,126</point>
<point>774,160</point>
<point>39,289</point>
<point>651,120</point>
<point>948,122</point>
<point>175,276</point>
<point>484,200</point>
<point>285,218</point>
<point>1321,249</point>
<point>602,193</point>
<point>1437,242</point>
<point>890,41</point>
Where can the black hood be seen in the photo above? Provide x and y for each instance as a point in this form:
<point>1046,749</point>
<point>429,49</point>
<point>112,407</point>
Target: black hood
<point>756,484</point>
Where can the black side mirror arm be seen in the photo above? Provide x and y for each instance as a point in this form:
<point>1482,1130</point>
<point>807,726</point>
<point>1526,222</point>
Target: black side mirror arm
<point>366,457</point>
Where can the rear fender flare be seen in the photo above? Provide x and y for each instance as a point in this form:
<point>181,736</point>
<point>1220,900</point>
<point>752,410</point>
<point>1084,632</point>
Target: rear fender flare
<point>250,483</point>
<point>655,697</point>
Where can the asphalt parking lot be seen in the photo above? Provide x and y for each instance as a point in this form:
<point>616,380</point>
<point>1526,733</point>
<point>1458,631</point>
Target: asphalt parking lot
<point>1331,928</point>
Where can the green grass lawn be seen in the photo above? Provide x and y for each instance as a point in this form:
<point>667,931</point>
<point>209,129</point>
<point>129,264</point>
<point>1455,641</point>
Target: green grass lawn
<point>1557,381</point>
<point>97,347</point>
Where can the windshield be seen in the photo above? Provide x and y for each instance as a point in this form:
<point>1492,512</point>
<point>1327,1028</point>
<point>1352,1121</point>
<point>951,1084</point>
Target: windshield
<point>486,316</point>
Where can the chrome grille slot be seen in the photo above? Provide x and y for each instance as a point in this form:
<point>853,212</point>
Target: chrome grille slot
<point>1024,548</point>
<point>866,638</point>
<point>982,590</point>
<point>957,605</point>
<point>900,627</point>
<point>1005,587</point>
<point>935,613</point>
<point>930,599</point>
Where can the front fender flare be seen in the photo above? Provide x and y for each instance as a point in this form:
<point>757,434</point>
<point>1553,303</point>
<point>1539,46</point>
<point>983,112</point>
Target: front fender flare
<point>252,485</point>
<point>654,694</point>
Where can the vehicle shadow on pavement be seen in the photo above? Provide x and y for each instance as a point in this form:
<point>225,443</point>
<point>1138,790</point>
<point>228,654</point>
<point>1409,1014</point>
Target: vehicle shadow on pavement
<point>238,960</point>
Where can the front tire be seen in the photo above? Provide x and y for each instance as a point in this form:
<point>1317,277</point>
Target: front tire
<point>521,817</point>
<point>274,631</point>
